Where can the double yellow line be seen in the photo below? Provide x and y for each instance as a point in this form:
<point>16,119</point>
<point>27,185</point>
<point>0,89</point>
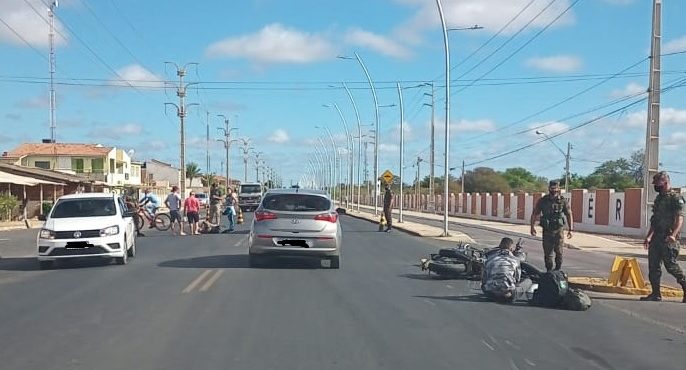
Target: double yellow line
<point>208,284</point>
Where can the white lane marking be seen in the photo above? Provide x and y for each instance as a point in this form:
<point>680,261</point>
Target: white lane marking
<point>4,240</point>
<point>243,239</point>
<point>512,345</point>
<point>513,366</point>
<point>643,318</point>
<point>529,362</point>
<point>487,345</point>
<point>212,280</point>
<point>197,281</point>
<point>449,286</point>
<point>429,302</point>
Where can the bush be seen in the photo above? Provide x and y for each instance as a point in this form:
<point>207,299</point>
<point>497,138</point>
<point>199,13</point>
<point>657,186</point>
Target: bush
<point>8,204</point>
<point>47,207</point>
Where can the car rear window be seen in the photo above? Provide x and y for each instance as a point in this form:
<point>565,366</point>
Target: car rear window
<point>84,207</point>
<point>201,195</point>
<point>296,202</point>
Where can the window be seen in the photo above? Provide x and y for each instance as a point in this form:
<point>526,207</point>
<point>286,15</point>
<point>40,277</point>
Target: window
<point>77,165</point>
<point>84,207</point>
<point>97,165</point>
<point>296,202</point>
<point>42,164</point>
<point>251,188</point>
<point>111,165</point>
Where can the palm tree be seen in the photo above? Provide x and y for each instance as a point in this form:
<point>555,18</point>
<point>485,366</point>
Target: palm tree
<point>192,171</point>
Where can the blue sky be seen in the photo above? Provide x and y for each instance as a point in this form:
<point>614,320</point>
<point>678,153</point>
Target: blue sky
<point>270,65</point>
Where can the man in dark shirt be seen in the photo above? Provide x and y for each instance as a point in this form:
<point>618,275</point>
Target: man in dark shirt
<point>216,197</point>
<point>387,208</point>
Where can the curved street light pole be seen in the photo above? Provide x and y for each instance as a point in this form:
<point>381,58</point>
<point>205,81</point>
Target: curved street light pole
<point>335,160</point>
<point>322,167</point>
<point>402,143</point>
<point>447,120</point>
<point>349,145</point>
<point>359,144</point>
<point>329,166</point>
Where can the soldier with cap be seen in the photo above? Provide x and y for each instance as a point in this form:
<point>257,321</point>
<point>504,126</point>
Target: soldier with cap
<point>553,210</point>
<point>387,207</point>
<point>662,241</point>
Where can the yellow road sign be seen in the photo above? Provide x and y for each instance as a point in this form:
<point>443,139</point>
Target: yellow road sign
<point>387,176</point>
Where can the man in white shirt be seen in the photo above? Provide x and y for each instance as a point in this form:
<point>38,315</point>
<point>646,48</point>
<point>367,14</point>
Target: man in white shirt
<point>173,202</point>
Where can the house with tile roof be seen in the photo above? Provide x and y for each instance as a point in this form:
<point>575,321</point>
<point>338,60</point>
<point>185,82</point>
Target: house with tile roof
<point>94,162</point>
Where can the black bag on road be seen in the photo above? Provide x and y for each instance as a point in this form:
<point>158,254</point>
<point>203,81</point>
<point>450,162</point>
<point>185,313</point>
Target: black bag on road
<point>552,289</point>
<point>576,300</point>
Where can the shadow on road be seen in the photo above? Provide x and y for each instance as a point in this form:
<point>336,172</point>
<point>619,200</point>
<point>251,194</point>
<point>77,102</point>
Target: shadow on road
<point>31,264</point>
<point>478,298</point>
<point>424,277</point>
<point>241,261</point>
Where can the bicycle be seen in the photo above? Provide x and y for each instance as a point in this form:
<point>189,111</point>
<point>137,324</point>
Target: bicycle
<point>161,221</point>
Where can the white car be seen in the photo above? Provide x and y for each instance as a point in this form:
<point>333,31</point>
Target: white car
<point>87,225</point>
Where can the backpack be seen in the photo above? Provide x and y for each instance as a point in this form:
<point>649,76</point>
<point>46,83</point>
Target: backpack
<point>552,289</point>
<point>576,300</point>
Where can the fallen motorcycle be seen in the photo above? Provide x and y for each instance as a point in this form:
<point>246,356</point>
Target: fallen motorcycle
<point>466,261</point>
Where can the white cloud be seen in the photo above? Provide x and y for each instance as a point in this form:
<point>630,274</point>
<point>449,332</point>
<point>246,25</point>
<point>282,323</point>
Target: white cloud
<point>114,132</point>
<point>675,45</point>
<point>130,129</point>
<point>629,90</point>
<point>481,125</point>
<point>492,15</point>
<point>137,75</point>
<point>26,22</point>
<point>389,148</point>
<point>37,102</point>
<point>675,141</point>
<point>279,136</point>
<point>557,63</point>
<point>670,116</point>
<point>382,44</point>
<point>275,44</point>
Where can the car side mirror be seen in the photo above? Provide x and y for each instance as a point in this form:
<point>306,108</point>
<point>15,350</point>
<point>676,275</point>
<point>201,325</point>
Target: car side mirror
<point>42,217</point>
<point>341,211</point>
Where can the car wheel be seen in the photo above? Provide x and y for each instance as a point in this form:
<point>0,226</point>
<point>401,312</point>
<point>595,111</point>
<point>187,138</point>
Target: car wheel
<point>45,265</point>
<point>335,262</point>
<point>132,250</point>
<point>122,260</point>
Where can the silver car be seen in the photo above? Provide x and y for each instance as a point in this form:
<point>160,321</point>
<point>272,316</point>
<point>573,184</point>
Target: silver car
<point>295,222</point>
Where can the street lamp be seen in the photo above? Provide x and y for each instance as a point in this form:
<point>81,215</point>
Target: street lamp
<point>566,155</point>
<point>359,143</point>
<point>331,176</point>
<point>335,158</point>
<point>447,112</point>
<point>402,143</point>
<point>376,136</point>
<point>349,144</point>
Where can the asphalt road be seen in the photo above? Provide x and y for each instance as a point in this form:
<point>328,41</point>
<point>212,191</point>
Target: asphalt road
<point>193,303</point>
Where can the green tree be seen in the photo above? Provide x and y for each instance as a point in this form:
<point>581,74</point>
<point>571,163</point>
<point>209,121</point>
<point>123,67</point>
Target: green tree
<point>8,204</point>
<point>615,174</point>
<point>207,179</point>
<point>192,171</point>
<point>637,165</point>
<point>485,180</point>
<point>520,179</point>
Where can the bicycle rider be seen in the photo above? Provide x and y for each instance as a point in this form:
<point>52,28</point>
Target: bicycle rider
<point>150,202</point>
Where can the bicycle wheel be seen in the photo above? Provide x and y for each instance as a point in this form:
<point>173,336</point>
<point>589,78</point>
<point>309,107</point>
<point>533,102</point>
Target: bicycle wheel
<point>162,222</point>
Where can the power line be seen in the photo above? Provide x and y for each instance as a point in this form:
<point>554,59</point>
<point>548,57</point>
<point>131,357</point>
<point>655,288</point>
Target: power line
<point>23,39</point>
<point>534,37</point>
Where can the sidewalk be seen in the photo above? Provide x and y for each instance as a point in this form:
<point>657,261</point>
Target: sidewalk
<point>20,225</point>
<point>617,245</point>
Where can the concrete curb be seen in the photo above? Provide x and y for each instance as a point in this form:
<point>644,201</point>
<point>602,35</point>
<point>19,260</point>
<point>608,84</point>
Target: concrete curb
<point>602,285</point>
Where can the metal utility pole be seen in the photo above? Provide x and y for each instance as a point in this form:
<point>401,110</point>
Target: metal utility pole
<point>462,176</point>
<point>447,119</point>
<point>53,99</point>
<point>432,161</point>
<point>359,143</point>
<point>245,149</point>
<point>226,130</point>
<point>651,157</point>
<point>567,158</point>
<point>181,112</point>
<point>402,144</point>
<point>207,148</point>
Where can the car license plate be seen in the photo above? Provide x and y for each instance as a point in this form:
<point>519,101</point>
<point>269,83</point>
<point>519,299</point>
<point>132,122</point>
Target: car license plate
<point>77,245</point>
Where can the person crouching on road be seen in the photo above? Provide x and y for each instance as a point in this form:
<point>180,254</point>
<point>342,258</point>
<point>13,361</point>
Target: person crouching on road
<point>192,207</point>
<point>173,202</point>
<point>662,241</point>
<point>553,210</point>
<point>502,273</point>
<point>388,208</point>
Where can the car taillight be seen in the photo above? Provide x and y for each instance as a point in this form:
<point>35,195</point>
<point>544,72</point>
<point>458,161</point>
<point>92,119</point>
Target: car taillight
<point>264,215</point>
<point>331,217</point>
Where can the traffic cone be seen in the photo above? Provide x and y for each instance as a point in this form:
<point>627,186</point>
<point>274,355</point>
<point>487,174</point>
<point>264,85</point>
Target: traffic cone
<point>382,222</point>
<point>240,216</point>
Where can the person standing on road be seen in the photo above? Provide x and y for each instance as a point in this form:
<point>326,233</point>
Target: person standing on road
<point>192,207</point>
<point>230,210</point>
<point>662,241</point>
<point>215,203</point>
<point>387,207</point>
<point>132,206</point>
<point>553,209</point>
<point>173,202</point>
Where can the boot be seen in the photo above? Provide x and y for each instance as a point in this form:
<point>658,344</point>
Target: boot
<point>655,296</point>
<point>683,286</point>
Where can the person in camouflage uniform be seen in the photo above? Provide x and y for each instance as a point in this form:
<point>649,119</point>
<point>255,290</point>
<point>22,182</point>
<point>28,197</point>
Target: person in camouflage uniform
<point>553,210</point>
<point>662,241</point>
<point>502,275</point>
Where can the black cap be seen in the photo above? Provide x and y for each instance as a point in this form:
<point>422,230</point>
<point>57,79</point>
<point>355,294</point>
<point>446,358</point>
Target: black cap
<point>553,183</point>
<point>660,175</point>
